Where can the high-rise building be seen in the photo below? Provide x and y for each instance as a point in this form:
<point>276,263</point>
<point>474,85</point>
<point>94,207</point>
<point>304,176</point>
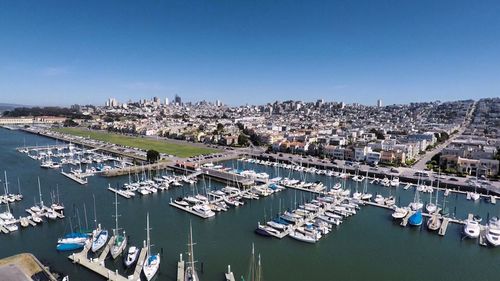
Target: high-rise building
<point>166,101</point>
<point>177,100</point>
<point>112,102</point>
<point>379,103</point>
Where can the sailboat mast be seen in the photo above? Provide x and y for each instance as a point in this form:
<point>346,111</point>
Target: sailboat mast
<point>191,250</point>
<point>95,214</point>
<point>116,213</point>
<point>147,235</point>
<point>86,220</point>
<point>40,192</point>
<point>6,183</point>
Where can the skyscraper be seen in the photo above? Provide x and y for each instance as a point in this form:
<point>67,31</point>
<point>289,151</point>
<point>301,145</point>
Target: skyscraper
<point>379,103</point>
<point>177,100</point>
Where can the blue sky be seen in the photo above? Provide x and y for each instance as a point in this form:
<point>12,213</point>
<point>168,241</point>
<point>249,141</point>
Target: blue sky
<point>64,52</point>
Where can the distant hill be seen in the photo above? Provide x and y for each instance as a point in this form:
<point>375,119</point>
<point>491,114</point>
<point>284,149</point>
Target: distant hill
<point>10,106</point>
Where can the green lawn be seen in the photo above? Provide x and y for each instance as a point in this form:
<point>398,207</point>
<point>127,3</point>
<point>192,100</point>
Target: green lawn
<point>162,146</point>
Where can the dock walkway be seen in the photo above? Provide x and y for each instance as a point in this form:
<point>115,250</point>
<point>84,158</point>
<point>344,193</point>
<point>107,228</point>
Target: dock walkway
<point>180,269</point>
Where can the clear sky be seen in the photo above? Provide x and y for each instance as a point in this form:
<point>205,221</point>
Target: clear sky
<point>248,51</point>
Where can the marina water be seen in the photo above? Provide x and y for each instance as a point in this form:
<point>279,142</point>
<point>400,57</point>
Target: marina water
<point>368,245</point>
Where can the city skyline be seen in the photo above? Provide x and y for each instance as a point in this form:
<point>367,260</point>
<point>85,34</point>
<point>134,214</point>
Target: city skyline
<point>255,53</point>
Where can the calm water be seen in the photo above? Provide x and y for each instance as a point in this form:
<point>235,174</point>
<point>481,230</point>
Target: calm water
<point>366,246</point>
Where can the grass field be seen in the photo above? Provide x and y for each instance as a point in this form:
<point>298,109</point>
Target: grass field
<point>162,146</point>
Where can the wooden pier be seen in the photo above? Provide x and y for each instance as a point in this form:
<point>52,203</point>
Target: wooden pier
<point>482,235</point>
<point>404,222</point>
<point>187,209</point>
<point>444,226</point>
<point>75,178</point>
<point>180,269</point>
<point>97,265</point>
<point>119,192</point>
<point>140,263</point>
<point>106,250</point>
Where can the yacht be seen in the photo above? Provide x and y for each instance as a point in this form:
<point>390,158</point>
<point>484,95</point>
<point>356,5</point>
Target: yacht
<point>472,229</point>
<point>132,255</point>
<point>297,235</point>
<point>265,230</point>
<point>379,199</point>
<point>152,263</point>
<point>204,210</point>
<point>395,182</point>
<point>493,232</point>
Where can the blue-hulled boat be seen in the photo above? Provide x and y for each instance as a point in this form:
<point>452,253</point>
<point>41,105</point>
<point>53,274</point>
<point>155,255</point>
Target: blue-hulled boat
<point>70,246</point>
<point>281,221</point>
<point>416,219</point>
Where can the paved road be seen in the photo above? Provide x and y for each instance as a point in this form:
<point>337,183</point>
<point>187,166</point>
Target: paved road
<point>420,164</point>
<point>401,171</point>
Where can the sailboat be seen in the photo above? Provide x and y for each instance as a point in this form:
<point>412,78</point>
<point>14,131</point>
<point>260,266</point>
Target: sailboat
<point>416,219</point>
<point>434,223</point>
<point>100,236</point>
<point>366,195</point>
<point>416,204</point>
<point>72,241</point>
<point>152,263</point>
<point>432,207</point>
<point>120,239</point>
<point>7,215</point>
<point>191,274</point>
<point>255,270</point>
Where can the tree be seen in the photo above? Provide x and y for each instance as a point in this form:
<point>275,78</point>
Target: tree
<point>220,127</point>
<point>243,139</point>
<point>152,156</point>
<point>240,126</point>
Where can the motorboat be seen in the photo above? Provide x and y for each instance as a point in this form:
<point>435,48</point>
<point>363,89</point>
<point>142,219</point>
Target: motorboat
<point>472,229</point>
<point>493,232</point>
<point>379,199</point>
<point>276,225</point>
<point>132,255</point>
<point>297,235</point>
<point>203,210</point>
<point>180,201</point>
<point>400,213</point>
<point>265,230</point>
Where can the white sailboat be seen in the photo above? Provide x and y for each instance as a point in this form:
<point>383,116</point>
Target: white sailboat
<point>120,239</point>
<point>416,204</point>
<point>152,263</point>
<point>190,273</point>
<point>432,207</point>
<point>100,236</point>
<point>366,195</point>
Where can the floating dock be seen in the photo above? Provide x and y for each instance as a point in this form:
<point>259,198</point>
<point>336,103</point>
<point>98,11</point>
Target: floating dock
<point>229,274</point>
<point>75,178</point>
<point>187,209</point>
<point>180,269</point>
<point>119,192</point>
<point>444,226</point>
<point>98,267</point>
